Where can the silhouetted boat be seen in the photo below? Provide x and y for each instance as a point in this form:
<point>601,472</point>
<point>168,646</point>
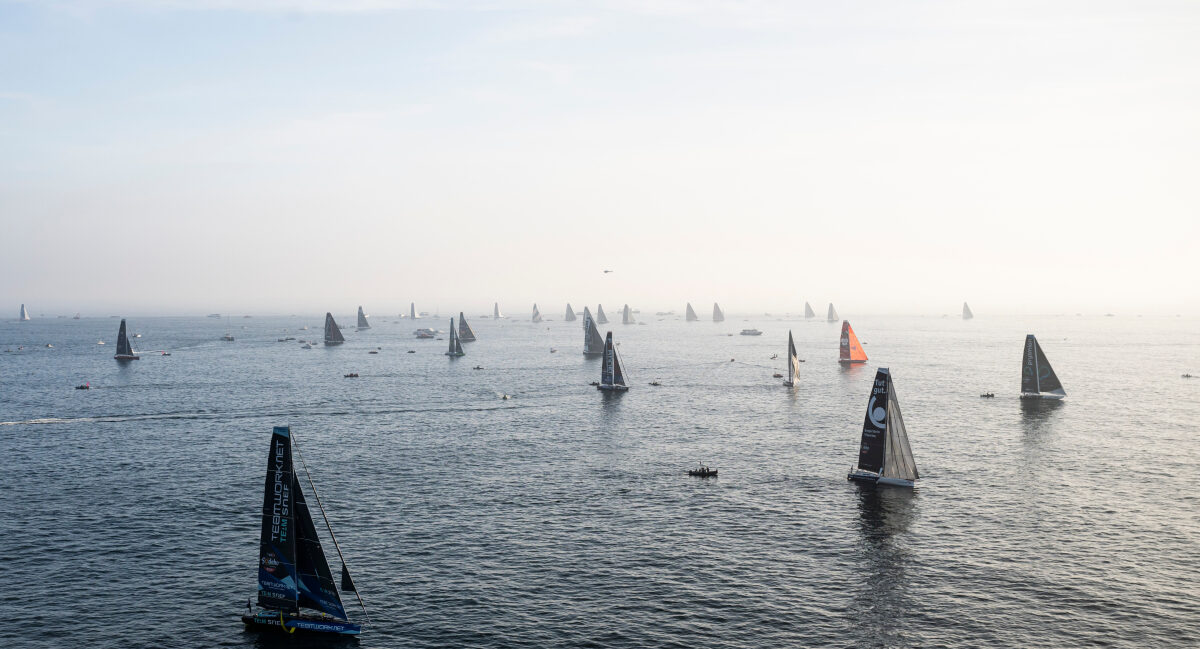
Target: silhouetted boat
<point>690,314</point>
<point>593,344</point>
<point>600,317</point>
<point>718,314</point>
<point>808,311</point>
<point>570,316</point>
<point>831,315</point>
<point>884,456</point>
<point>967,315</point>
<point>850,351</point>
<point>464,330</point>
<point>362,320</point>
<point>537,315</point>
<point>124,349</point>
<point>626,315</point>
<point>333,333</point>
<point>611,376</point>
<point>296,590</point>
<point>1038,380</point>
<point>455,346</point>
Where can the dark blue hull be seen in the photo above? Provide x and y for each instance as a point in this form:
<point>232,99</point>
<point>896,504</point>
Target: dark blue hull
<point>290,623</point>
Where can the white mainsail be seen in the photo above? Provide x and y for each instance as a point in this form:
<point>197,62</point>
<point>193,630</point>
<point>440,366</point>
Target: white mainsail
<point>412,310</point>
<point>496,311</point>
<point>967,315</point>
<point>808,311</point>
<point>626,315</point>
<point>24,313</point>
<point>600,317</point>
<point>537,315</point>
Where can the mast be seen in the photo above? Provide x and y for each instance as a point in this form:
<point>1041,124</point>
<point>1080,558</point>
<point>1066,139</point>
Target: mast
<point>345,571</point>
<point>362,319</point>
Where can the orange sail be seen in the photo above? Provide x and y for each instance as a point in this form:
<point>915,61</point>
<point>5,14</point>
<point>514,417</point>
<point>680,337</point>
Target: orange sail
<point>851,351</point>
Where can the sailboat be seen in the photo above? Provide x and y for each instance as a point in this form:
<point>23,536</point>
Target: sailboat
<point>600,317</point>
<point>570,317</point>
<point>808,311</point>
<point>537,315</point>
<point>362,320</point>
<point>611,376</point>
<point>464,330</point>
<point>412,311</point>
<point>793,363</point>
<point>333,334</point>
<point>1038,380</point>
<point>593,344</point>
<point>626,316</point>
<point>124,349</point>
<point>496,311</point>
<point>832,314</point>
<point>850,351</point>
<point>690,315</point>
<point>295,586</point>
<point>455,346</point>
<point>24,314</point>
<point>967,315</point>
<point>884,456</point>
<point>718,314</point>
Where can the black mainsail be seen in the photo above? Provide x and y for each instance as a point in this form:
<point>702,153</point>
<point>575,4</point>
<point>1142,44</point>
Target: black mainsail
<point>611,376</point>
<point>293,573</point>
<point>1037,377</point>
<point>455,346</point>
<point>464,330</point>
<point>362,320</point>
<point>690,315</point>
<point>333,334</point>
<point>124,349</point>
<point>593,344</point>
<point>570,316</point>
<point>884,454</point>
<point>793,362</point>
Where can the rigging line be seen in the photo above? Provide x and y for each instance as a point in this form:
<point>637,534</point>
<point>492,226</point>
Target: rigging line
<point>327,525</point>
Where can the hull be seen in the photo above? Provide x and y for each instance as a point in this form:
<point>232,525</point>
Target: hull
<point>1043,395</point>
<point>332,343</point>
<point>612,388</point>
<point>291,623</point>
<point>454,355</point>
<point>857,475</point>
<point>127,357</point>
<point>850,362</point>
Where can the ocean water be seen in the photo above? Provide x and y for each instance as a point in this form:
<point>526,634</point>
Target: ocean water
<point>564,516</point>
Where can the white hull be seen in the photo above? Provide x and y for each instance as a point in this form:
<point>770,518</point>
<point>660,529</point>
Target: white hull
<point>1043,395</point>
<point>866,476</point>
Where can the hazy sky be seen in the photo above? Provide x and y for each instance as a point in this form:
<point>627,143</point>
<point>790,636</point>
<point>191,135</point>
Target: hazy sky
<point>164,156</point>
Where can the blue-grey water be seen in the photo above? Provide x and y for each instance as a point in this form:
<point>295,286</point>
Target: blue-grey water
<point>563,517</point>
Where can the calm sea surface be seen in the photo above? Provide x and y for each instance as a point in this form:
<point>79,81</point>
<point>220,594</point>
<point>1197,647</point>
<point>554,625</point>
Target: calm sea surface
<point>564,517</point>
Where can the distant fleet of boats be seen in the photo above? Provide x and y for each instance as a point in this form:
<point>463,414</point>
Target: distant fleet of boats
<point>296,589</point>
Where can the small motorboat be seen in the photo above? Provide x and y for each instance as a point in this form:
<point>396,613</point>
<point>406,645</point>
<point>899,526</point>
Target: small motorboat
<point>703,472</point>
<point>85,386</point>
<point>505,397</point>
<point>774,356</point>
<point>352,375</point>
<point>99,342</point>
<point>166,353</point>
<point>777,375</point>
<point>227,338</point>
<point>306,346</point>
<point>732,360</point>
<point>655,383</point>
<point>477,367</point>
<point>594,383</point>
<point>987,395</point>
<point>411,351</point>
<point>372,352</point>
<point>553,350</point>
<point>1187,376</point>
<point>49,346</point>
<point>751,332</point>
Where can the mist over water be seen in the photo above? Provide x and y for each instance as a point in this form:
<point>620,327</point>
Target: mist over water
<point>564,516</point>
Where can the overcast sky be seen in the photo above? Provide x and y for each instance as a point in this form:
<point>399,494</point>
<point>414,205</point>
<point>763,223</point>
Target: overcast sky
<point>278,156</point>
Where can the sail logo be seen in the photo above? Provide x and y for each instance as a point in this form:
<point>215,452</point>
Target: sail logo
<point>281,494</point>
<point>878,416</point>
